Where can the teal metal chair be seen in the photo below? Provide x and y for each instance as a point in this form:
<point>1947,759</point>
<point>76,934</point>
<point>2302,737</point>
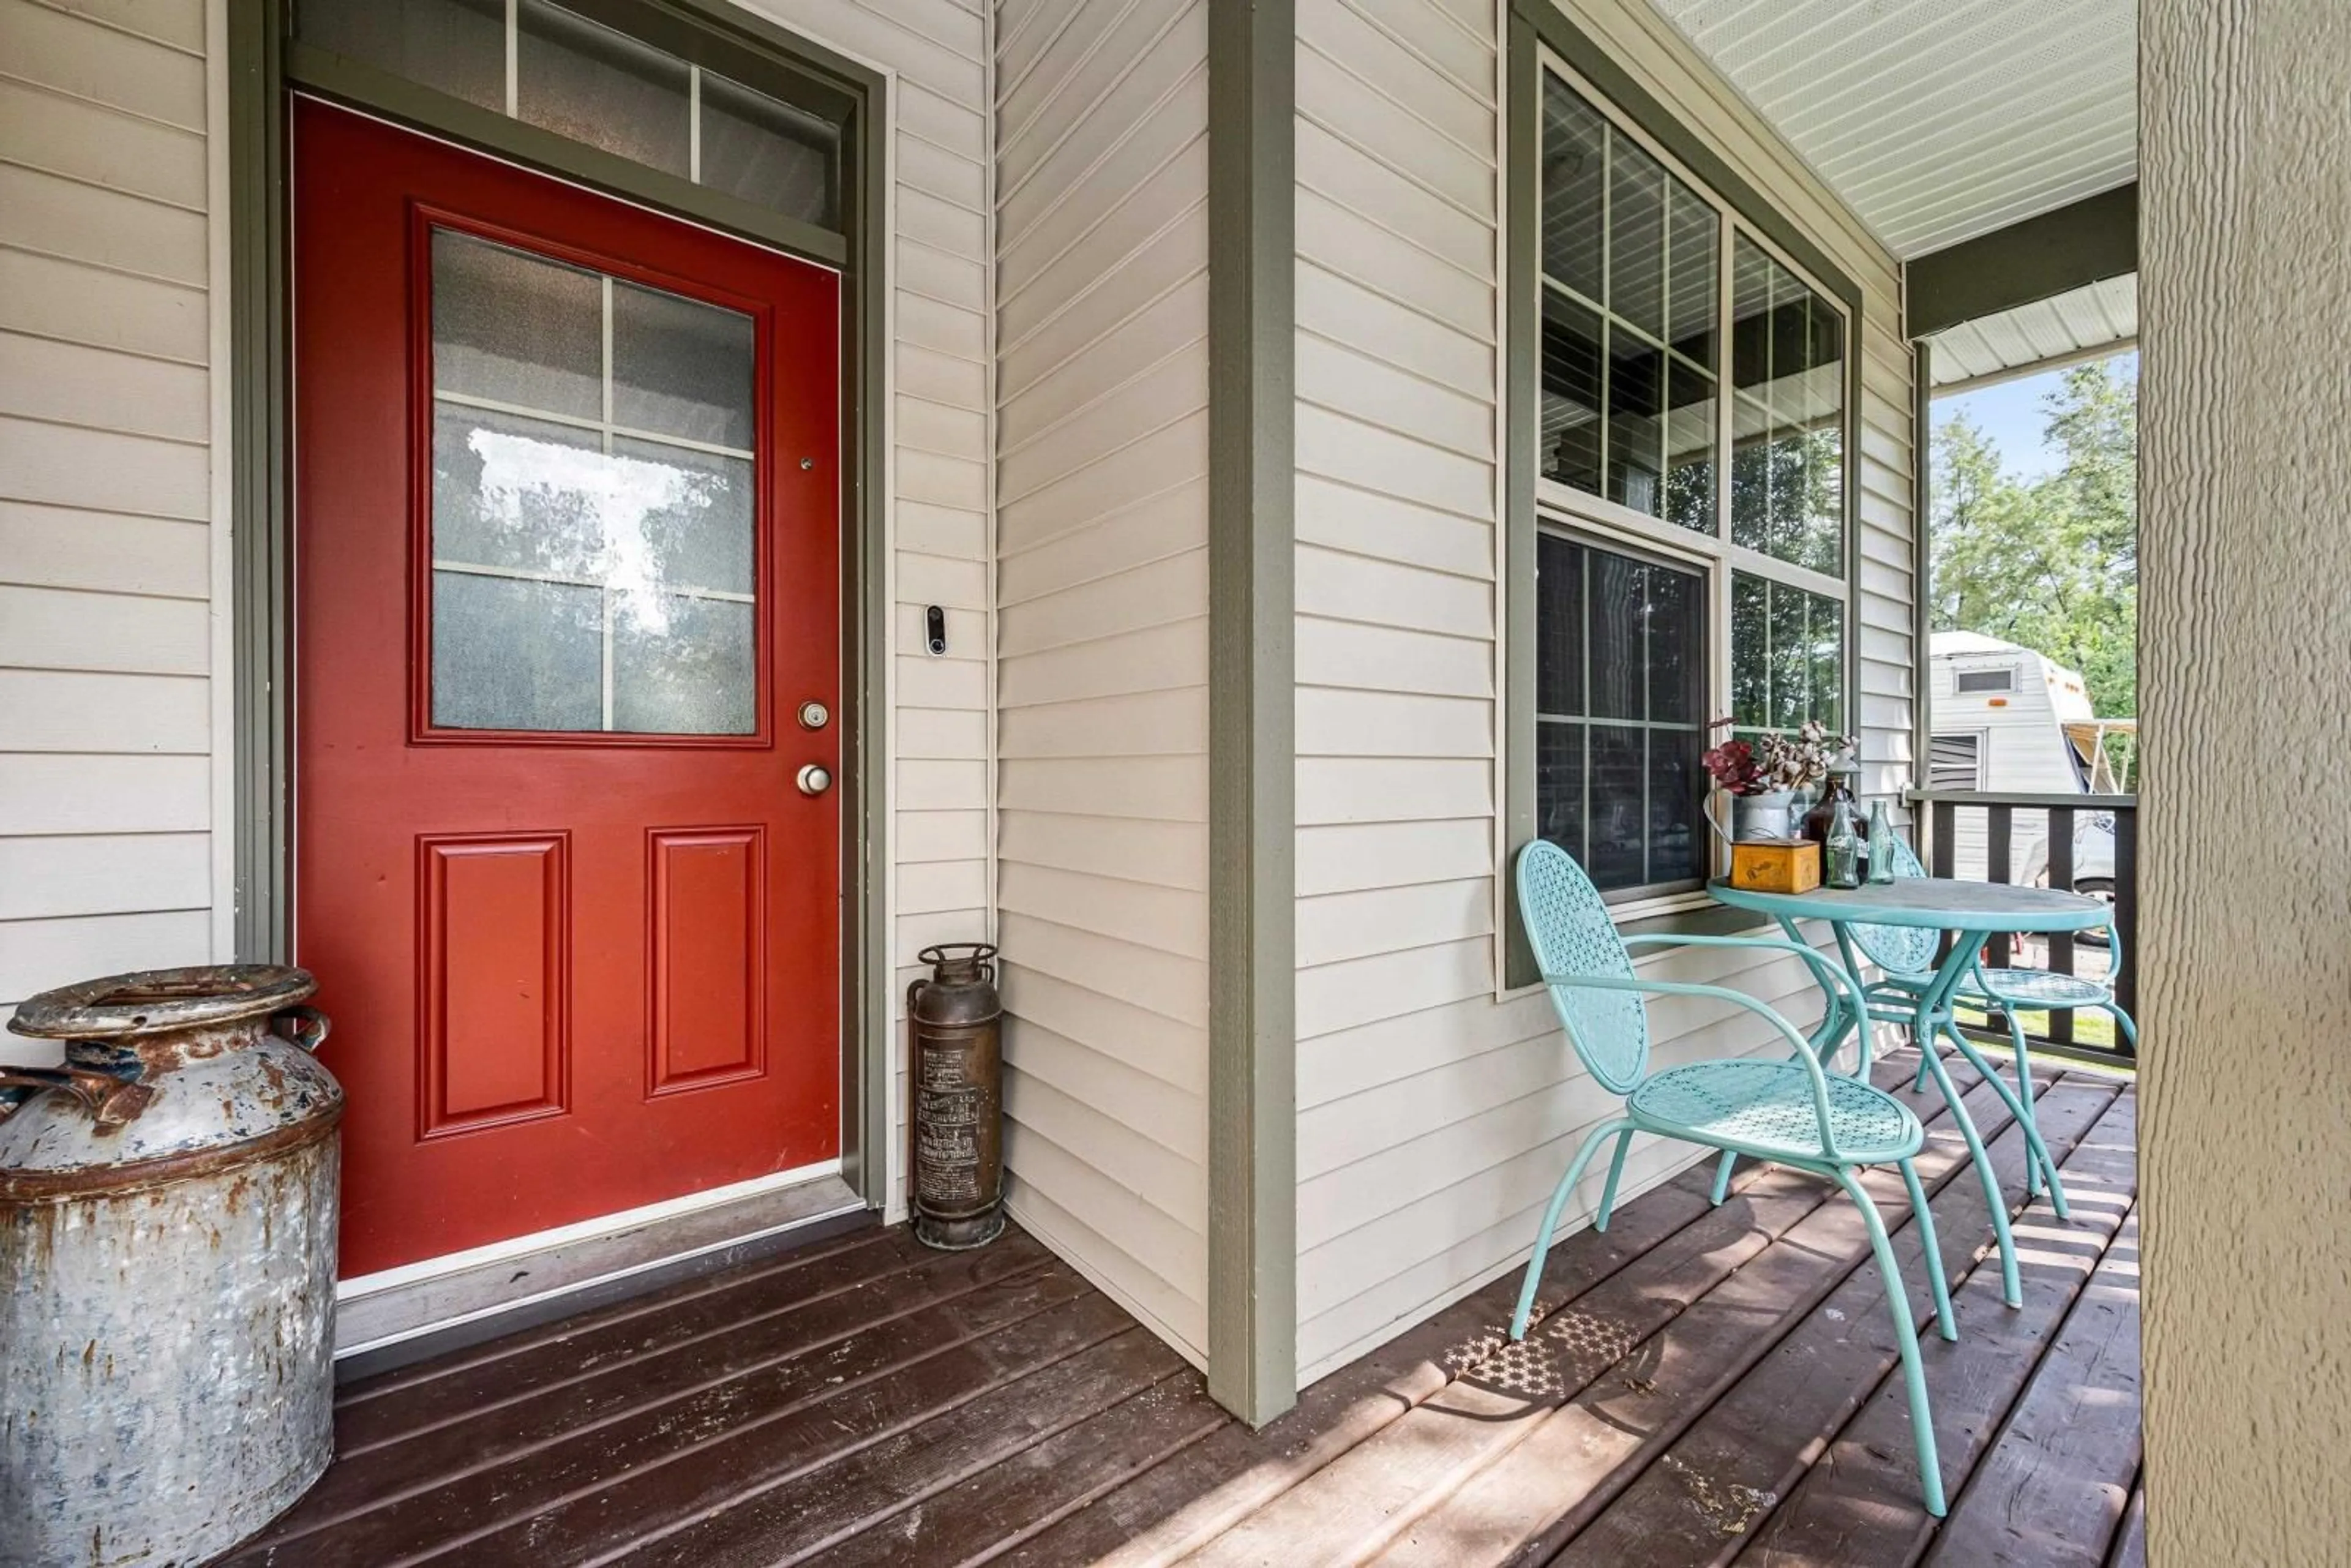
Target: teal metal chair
<point>1792,1111</point>
<point>1905,957</point>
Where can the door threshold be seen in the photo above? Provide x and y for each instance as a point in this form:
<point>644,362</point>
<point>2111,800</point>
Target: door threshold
<point>420,1310</point>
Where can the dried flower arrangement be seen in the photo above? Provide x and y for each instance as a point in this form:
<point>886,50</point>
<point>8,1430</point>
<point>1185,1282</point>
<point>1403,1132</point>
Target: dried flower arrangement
<point>1772,762</point>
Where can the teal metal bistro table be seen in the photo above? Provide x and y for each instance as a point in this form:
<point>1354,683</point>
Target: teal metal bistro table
<point>1973,912</point>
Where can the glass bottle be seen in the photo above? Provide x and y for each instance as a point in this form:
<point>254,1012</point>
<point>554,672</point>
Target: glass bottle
<point>1836,800</point>
<point>1841,852</point>
<point>1881,843</point>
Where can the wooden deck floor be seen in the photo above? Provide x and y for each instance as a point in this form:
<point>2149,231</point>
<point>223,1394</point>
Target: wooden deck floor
<point>1706,1386</point>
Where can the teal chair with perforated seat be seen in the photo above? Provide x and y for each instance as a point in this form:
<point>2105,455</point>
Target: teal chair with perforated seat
<point>1905,957</point>
<point>1792,1111</point>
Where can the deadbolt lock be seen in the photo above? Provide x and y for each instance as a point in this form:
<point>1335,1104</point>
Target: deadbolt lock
<point>815,778</point>
<point>815,715</point>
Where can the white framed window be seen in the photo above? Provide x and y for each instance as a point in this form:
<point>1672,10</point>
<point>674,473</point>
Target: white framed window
<point>1692,453</point>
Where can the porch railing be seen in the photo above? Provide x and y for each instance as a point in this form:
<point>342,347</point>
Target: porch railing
<point>1996,836</point>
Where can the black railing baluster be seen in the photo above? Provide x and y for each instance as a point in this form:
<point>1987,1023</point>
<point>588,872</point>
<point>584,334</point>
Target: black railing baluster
<point>2061,943</point>
<point>2000,824</point>
<point>1942,809</point>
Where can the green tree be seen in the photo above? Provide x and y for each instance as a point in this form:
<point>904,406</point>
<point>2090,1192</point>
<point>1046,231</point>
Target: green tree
<point>2053,564</point>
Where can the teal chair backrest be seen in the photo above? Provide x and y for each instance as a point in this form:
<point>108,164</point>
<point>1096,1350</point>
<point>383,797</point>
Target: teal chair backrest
<point>1901,949</point>
<point>1574,938</point>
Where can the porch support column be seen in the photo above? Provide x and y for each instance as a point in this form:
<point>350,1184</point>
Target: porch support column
<point>2245,713</point>
<point>1252,1017</point>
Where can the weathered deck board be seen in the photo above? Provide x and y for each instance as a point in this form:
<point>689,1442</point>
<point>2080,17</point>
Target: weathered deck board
<point>868,1402</point>
<point>1720,1479</point>
<point>2052,1491</point>
<point>1859,1502</point>
<point>1599,1440</point>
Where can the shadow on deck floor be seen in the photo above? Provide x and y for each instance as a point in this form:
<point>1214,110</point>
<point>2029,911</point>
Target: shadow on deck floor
<point>1705,1386</point>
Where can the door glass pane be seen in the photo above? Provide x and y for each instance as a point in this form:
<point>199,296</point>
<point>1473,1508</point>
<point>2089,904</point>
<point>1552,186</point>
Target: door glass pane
<point>586,577</point>
<point>458,47</point>
<point>765,151</point>
<point>516,328</point>
<point>581,79</point>
<point>509,654</point>
<point>683,665</point>
<point>680,367</point>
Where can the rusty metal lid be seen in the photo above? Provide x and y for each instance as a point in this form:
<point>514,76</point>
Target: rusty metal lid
<point>156,1001</point>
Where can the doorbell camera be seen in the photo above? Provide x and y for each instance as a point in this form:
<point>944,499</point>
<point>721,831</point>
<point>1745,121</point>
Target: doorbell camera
<point>935,631</point>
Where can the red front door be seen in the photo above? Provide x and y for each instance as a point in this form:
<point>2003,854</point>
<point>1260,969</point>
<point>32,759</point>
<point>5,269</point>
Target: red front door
<point>566,503</point>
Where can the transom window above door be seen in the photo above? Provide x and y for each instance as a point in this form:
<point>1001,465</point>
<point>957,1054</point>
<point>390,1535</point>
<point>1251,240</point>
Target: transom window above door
<point>594,501</point>
<point>559,68</point>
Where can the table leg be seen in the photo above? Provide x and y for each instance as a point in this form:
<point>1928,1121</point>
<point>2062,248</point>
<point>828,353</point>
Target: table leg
<point>2010,1289</point>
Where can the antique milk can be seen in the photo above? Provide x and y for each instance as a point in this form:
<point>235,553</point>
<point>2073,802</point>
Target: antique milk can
<point>168,1203</point>
<point>958,1074</point>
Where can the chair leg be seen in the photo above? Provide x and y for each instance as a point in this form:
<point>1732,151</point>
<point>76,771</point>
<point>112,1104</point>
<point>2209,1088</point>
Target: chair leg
<point>1906,1333</point>
<point>2011,1290</point>
<point>1945,1323</point>
<point>2130,1030</point>
<point>1616,1174</point>
<point>2036,1152</point>
<point>1722,1178</point>
<point>1926,1044</point>
<point>1550,1222</point>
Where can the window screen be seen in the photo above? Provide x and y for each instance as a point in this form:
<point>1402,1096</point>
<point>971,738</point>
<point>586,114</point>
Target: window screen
<point>1621,700</point>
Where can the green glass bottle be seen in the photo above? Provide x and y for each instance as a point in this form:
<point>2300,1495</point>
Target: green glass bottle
<point>1881,843</point>
<point>1841,852</point>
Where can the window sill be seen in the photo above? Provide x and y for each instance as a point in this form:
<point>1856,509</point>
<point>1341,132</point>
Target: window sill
<point>1700,919</point>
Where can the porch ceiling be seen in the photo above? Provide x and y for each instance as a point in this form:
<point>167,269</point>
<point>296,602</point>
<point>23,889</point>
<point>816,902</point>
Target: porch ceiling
<point>1937,120</point>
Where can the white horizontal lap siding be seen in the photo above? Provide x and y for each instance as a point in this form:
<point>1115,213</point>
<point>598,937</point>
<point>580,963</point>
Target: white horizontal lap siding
<point>106,483</point>
<point>1433,1118</point>
<point>1101,639</point>
<point>938,408</point>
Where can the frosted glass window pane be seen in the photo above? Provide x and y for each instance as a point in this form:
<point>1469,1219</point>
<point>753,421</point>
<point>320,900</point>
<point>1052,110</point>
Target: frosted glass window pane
<point>517,328</point>
<point>681,367</point>
<point>456,47</point>
<point>696,530</point>
<point>510,655</point>
<point>685,666</point>
<point>517,494</point>
<point>765,151</point>
<point>581,79</point>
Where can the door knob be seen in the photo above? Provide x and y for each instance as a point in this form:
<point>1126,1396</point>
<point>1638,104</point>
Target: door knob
<point>815,778</point>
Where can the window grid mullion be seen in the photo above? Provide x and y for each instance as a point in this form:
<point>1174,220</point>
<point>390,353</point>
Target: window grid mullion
<point>605,437</point>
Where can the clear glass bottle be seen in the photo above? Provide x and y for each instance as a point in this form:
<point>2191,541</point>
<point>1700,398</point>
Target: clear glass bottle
<point>1881,843</point>
<point>1840,852</point>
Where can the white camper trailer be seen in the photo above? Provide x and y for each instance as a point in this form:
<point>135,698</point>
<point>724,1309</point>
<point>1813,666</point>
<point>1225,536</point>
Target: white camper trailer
<point>2009,721</point>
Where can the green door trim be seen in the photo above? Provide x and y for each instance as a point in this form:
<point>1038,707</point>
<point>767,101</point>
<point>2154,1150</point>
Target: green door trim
<point>264,66</point>
<point>1252,912</point>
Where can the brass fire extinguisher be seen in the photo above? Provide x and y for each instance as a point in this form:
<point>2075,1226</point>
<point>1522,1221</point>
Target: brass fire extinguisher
<point>958,1081</point>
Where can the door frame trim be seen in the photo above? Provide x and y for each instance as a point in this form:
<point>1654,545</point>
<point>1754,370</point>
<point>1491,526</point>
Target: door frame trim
<point>264,70</point>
